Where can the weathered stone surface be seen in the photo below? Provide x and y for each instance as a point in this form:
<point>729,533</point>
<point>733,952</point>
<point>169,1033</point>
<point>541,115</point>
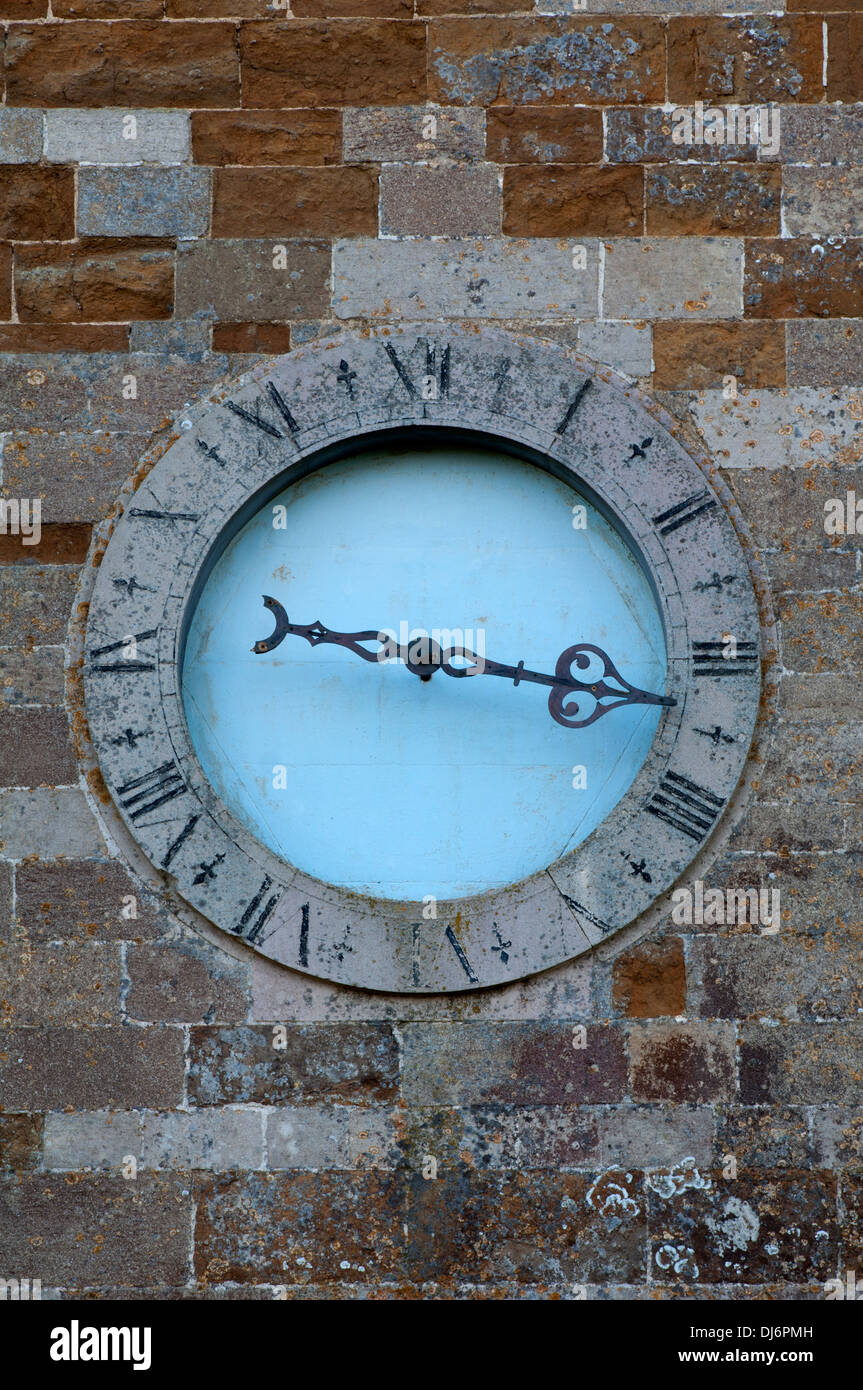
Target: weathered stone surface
<point>20,136</point>
<point>95,280</point>
<point>83,1232</point>
<point>84,899</point>
<point>89,1068</point>
<point>355,62</point>
<point>800,277</point>
<point>448,201</point>
<point>821,632</point>
<point>333,1227</point>
<point>819,135</point>
<point>824,352</point>
<point>50,824</point>
<point>219,1140</point>
<point>772,977</point>
<point>346,1062</point>
<point>117,136</point>
<point>653,1136</point>
<point>143,202</point>
<point>267,137</point>
<point>758,58</point>
<point>185,982</point>
<point>252,337</point>
<point>650,980</point>
<point>56,545</point>
<point>394,134</point>
<point>682,1061</point>
<point>627,347</point>
<point>189,338</point>
<point>566,200</point>
<point>511,1063</point>
<point>845,36</point>
<point>236,280</point>
<point>36,204</point>
<point>765,1136</point>
<point>63,337</point>
<point>830,694</point>
<point>801,1063</point>
<point>715,1230</point>
<point>821,202</point>
<point>545,61</point>
<point>672,277</point>
<point>322,1137</point>
<point>35,749</point>
<point>800,428</point>
<point>91,1140</point>
<point>5,901</point>
<point>462,278</point>
<point>145,64</point>
<point>77,475</point>
<point>161,390</point>
<point>639,135</point>
<point>295,202</point>
<point>20,1142</point>
<point>837,1136</point>
<point>544,135</point>
<point>697,200</point>
<point>52,986</point>
<point>700,355</point>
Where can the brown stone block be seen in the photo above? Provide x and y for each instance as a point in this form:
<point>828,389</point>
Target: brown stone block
<point>36,203</point>
<point>801,1063</point>
<point>527,1228</point>
<point>573,200</point>
<point>765,1136</point>
<point>20,1142</point>
<point>186,982</point>
<point>5,286</point>
<point>682,1061</point>
<point>219,9</point>
<point>546,61</point>
<point>544,135</point>
<point>759,58</point>
<point>107,9</point>
<point>82,899</point>
<point>295,202</point>
<point>339,1227</point>
<point>697,356</point>
<point>449,201</point>
<point>251,337</point>
<point>23,9</point>
<point>698,200</point>
<point>87,1068</point>
<point>134,64</point>
<point>34,749</point>
<point>35,604</point>
<point>58,545</point>
<point>354,9</point>
<point>512,1063</point>
<point>844,45</point>
<point>61,337</point>
<point>267,137</point>
<point>785,978</point>
<point>347,1062</point>
<point>354,63</point>
<point>650,981</point>
<point>5,891</point>
<point>803,277</point>
<point>76,1229</point>
<point>48,986</point>
<point>743,1230</point>
<point>98,280</point>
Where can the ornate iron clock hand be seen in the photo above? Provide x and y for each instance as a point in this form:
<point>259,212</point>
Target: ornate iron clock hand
<point>425,656</point>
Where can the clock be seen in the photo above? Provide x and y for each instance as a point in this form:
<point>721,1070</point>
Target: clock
<point>422,659</point>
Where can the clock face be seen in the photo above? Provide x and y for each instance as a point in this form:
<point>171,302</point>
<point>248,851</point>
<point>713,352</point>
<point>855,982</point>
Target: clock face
<point>368,777</point>
<point>421,659</point>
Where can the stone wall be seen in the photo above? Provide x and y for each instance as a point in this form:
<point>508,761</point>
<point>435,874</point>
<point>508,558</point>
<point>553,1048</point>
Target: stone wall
<point>188,184</point>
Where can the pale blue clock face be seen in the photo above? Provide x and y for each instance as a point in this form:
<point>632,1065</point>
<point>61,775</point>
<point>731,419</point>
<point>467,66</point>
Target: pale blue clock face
<point>359,773</point>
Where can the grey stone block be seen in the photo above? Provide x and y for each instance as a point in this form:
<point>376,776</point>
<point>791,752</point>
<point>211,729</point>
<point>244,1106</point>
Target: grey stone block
<point>829,134</point>
<point>90,1140</point>
<point>642,1136</point>
<point>644,134</point>
<point>673,277</point>
<point>316,1136</point>
<point>820,202</point>
<point>236,280</point>
<point>106,136</point>
<point>78,476</point>
<point>463,278</point>
<point>20,135</point>
<point>143,202</point>
<point>190,338</point>
<point>220,1140</point>
<point>32,677</point>
<point>627,347</point>
<point>52,824</point>
<point>394,133</point>
<point>447,201</point>
<point>824,352</point>
<point>775,428</point>
<point>35,604</point>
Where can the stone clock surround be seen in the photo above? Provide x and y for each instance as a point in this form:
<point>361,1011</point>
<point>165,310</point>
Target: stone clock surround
<point>222,461</point>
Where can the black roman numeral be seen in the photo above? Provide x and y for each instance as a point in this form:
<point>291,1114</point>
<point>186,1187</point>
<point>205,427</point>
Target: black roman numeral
<point>143,794</point>
<point>436,381</point>
<point>708,660</point>
<point>573,406</point>
<point>181,839</point>
<point>463,960</point>
<point>152,514</point>
<point>255,418</point>
<point>253,919</point>
<point>684,512</point>
<point>123,666</point>
<point>685,806</point>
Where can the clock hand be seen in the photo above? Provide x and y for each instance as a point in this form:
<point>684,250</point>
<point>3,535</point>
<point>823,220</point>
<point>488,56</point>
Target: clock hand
<point>425,657</point>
